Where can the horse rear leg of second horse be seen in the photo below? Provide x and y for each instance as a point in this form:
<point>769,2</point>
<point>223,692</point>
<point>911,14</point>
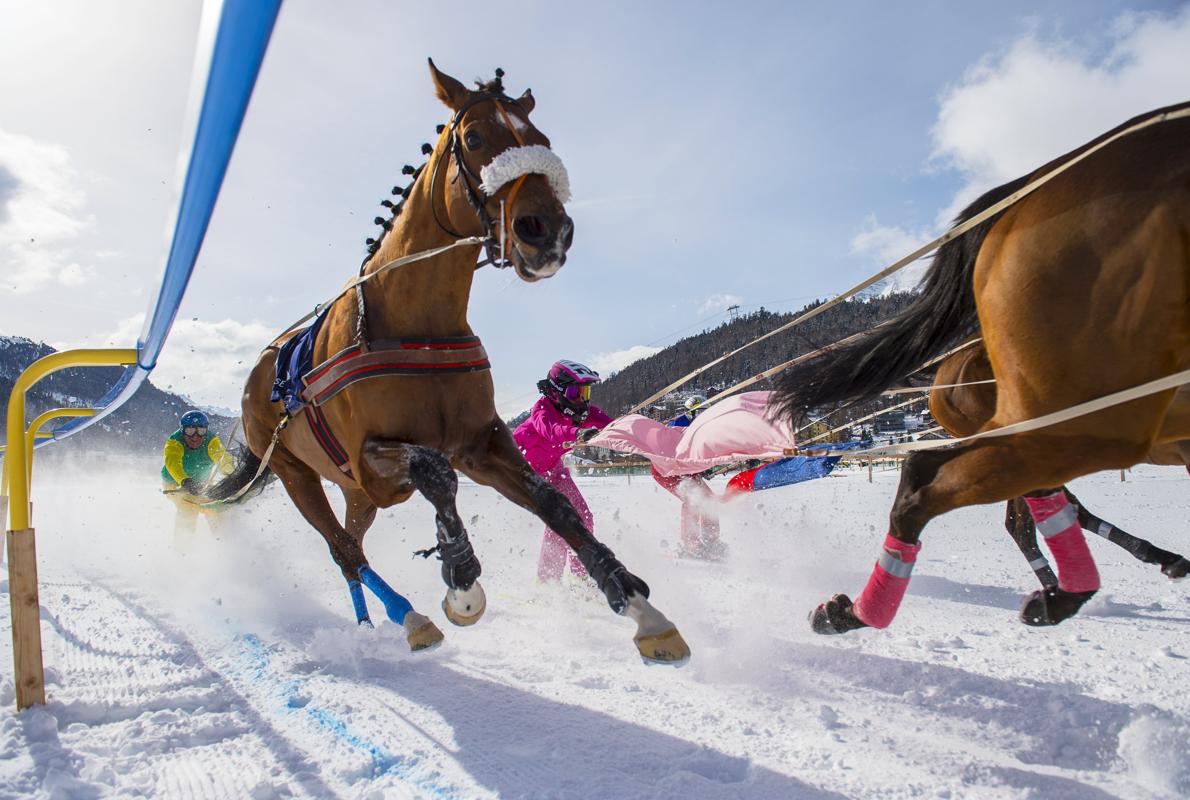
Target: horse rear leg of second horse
<point>304,487</point>
<point>934,482</point>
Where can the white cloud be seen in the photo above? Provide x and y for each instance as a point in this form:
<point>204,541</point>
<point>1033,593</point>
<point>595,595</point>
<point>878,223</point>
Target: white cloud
<point>719,302</point>
<point>40,215</point>
<point>205,361</point>
<point>886,244</point>
<point>1018,109</point>
<point>607,363</point>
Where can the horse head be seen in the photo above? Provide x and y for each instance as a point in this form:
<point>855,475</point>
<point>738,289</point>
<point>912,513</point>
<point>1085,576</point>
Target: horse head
<point>500,179</point>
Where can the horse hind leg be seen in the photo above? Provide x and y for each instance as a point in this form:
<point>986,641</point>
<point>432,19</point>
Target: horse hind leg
<point>934,482</point>
<point>305,489</point>
<point>1078,578</point>
<point>1172,565</point>
<point>387,463</point>
<point>1019,523</point>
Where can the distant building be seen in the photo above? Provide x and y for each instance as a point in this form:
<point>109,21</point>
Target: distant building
<point>891,422</point>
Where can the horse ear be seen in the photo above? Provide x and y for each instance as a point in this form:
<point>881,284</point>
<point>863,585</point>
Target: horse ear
<point>449,90</point>
<point>526,101</point>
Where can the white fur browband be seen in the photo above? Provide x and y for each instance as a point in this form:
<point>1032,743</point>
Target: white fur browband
<point>518,161</point>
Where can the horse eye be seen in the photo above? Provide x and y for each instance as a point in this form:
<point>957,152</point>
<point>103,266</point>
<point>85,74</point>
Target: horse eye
<point>473,140</point>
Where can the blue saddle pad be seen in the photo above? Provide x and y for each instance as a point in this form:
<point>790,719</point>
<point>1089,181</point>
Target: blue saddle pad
<point>295,359</point>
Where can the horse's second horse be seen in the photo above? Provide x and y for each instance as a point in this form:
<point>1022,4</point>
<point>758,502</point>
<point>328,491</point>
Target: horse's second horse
<point>1081,290</point>
<point>402,393</point>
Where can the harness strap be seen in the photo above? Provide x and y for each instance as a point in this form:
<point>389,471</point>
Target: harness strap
<point>264,463</point>
<point>326,439</point>
<point>386,358</point>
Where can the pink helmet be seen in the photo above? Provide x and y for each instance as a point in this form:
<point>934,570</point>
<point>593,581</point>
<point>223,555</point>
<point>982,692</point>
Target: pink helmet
<point>569,384</point>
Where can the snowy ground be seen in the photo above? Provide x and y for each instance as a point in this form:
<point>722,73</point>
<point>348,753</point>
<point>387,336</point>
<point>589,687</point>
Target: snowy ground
<point>227,664</point>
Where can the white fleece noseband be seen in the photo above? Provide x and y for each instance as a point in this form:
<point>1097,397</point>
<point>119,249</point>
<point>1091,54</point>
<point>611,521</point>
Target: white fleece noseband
<point>532,159</point>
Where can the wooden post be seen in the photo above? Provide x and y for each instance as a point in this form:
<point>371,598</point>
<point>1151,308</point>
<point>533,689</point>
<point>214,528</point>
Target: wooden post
<point>26,619</point>
<point>869,469</point>
<point>1121,476</point>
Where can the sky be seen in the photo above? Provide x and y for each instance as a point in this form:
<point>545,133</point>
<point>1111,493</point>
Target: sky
<point>746,153</point>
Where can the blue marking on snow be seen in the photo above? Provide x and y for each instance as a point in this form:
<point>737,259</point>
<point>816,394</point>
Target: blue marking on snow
<point>293,701</point>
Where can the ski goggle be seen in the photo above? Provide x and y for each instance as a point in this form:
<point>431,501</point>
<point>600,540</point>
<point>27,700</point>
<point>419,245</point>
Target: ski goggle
<point>194,430</point>
<point>576,392</point>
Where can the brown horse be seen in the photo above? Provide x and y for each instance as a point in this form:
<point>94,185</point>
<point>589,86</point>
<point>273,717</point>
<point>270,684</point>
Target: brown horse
<point>1081,289</point>
<point>427,408</point>
<point>962,401</point>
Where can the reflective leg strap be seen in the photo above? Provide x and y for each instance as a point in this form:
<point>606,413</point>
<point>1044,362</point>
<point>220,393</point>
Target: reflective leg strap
<point>1057,521</point>
<point>878,602</point>
<point>358,601</point>
<point>395,605</point>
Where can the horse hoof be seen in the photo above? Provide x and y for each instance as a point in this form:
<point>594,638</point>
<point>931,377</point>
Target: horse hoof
<point>1051,606</point>
<point>667,647</point>
<point>1177,570</point>
<point>464,608</point>
<point>835,616</point>
<point>656,637</point>
<point>421,632</point>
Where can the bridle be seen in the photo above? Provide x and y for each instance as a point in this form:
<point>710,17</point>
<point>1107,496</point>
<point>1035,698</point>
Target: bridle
<point>494,246</point>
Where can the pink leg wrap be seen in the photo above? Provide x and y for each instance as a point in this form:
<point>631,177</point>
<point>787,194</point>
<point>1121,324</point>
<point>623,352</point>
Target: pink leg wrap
<point>1076,567</point>
<point>878,602</point>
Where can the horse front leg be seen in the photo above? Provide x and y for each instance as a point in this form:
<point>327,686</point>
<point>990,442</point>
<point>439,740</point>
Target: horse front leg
<point>388,469</point>
<point>504,469</point>
<point>305,489</point>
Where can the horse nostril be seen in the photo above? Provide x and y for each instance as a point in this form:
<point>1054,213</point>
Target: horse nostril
<point>531,229</point>
<point>567,233</point>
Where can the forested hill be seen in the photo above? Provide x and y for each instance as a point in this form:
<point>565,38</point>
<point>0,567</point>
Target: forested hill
<point>140,425</point>
<point>634,383</point>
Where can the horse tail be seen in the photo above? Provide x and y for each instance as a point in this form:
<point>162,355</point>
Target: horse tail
<point>246,473</point>
<point>942,315</point>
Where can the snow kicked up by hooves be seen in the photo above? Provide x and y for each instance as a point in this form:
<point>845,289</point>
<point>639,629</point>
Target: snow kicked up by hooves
<point>228,663</point>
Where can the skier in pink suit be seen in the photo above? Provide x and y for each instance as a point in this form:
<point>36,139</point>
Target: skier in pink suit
<point>562,416</point>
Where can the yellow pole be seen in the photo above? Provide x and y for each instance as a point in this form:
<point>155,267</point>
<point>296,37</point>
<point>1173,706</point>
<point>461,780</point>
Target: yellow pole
<point>28,673</point>
<point>4,468</point>
<point>35,427</point>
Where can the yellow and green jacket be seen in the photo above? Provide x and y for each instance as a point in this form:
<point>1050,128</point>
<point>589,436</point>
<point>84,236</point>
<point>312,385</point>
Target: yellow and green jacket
<point>181,462</point>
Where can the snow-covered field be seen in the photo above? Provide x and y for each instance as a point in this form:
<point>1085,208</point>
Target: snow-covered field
<point>227,664</point>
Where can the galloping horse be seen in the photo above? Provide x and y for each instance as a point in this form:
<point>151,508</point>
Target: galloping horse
<point>426,406</point>
<point>962,400</point>
<point>1081,289</point>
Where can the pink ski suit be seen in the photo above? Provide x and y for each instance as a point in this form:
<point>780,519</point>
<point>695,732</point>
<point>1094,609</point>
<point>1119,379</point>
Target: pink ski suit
<point>541,438</point>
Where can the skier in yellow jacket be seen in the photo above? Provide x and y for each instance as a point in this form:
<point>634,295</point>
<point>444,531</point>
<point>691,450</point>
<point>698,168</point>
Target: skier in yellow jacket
<point>192,454</point>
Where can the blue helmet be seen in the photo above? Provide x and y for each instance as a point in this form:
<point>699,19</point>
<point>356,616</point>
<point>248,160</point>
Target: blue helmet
<point>195,419</point>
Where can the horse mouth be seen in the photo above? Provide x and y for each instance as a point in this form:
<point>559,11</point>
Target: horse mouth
<point>539,243</point>
<point>532,269</point>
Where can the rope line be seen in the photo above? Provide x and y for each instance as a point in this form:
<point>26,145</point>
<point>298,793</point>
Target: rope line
<point>901,263</point>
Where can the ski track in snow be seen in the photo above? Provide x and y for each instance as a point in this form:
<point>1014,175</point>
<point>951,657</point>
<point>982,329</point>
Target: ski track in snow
<point>226,664</point>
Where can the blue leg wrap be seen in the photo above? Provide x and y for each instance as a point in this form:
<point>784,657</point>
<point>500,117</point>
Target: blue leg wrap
<point>395,605</point>
<point>361,605</point>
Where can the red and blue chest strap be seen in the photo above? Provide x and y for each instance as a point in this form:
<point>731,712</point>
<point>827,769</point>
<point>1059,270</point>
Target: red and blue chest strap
<point>404,356</point>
